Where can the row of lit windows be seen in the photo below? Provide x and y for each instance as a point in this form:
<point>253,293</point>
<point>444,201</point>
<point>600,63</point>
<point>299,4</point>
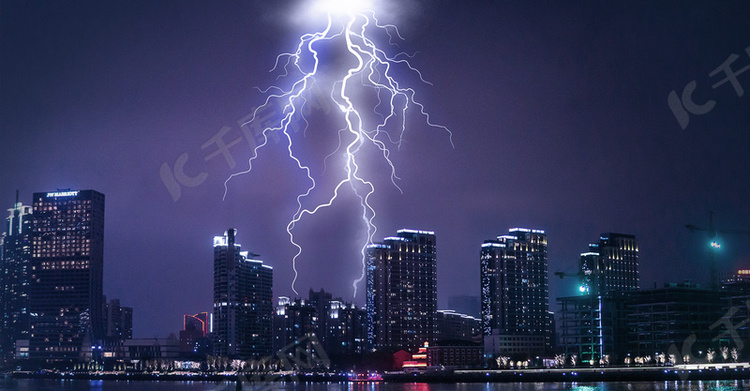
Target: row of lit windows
<point>62,245</point>
<point>64,265</point>
<point>61,348</point>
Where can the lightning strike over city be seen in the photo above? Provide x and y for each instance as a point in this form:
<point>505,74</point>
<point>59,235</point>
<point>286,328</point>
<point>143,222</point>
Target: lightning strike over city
<point>374,104</point>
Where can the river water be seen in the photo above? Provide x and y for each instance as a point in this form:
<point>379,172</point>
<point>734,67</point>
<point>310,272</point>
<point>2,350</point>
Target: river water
<point>99,385</point>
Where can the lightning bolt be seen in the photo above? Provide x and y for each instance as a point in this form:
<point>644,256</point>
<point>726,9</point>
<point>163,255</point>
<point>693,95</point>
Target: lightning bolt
<point>381,126</point>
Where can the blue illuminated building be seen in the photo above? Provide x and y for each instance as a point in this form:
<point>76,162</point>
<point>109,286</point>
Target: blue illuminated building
<point>14,280</point>
<point>515,294</point>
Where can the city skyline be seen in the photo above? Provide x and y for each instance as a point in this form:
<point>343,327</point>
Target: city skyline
<point>561,114</point>
<point>401,283</point>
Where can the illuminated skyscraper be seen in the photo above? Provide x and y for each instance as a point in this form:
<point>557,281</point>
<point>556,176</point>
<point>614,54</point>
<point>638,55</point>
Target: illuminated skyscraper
<point>402,290</point>
<point>515,293</point>
<point>66,300</point>
<point>611,264</point>
<point>14,279</point>
<point>243,301</point>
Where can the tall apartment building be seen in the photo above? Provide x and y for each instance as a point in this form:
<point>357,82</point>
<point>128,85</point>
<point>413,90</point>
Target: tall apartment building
<point>243,301</point>
<point>402,290</point>
<point>14,280</point>
<point>66,269</point>
<point>515,292</point>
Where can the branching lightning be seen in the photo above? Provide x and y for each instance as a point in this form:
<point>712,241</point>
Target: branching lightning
<point>381,125</point>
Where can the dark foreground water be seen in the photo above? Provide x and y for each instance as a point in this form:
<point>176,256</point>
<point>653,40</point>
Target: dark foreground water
<point>100,385</point>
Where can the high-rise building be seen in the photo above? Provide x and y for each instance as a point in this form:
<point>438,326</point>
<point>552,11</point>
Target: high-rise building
<point>611,264</point>
<point>515,293</point>
<point>65,305</point>
<point>346,333</point>
<point>118,320</point>
<point>402,290</point>
<point>243,301</point>
<point>594,325</point>
<point>118,328</point>
<point>338,326</point>
<point>14,279</point>
<point>193,336</point>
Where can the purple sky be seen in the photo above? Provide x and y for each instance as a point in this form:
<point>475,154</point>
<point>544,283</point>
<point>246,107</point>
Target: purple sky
<point>559,113</point>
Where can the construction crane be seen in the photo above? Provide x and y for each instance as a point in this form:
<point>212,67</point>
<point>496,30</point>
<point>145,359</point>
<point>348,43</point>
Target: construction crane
<point>590,288</point>
<point>587,285</point>
<point>715,245</point>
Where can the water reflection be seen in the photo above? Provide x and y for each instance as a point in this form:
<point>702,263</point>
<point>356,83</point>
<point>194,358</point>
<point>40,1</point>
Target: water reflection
<point>99,385</point>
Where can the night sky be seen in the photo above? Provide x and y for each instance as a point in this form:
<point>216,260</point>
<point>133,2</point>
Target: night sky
<point>559,113</point>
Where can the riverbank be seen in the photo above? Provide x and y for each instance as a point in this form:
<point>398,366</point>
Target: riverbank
<point>182,376</point>
<point>677,373</point>
<point>619,374</point>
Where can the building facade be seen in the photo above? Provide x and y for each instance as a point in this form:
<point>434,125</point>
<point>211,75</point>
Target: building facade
<point>294,320</point>
<point>681,319</point>
<point>145,349</point>
<point>193,336</point>
<point>338,326</point>
<point>66,300</point>
<point>457,357</point>
<point>454,326</point>
<point>611,264</point>
<point>14,280</point>
<point>118,320</point>
<point>243,301</point>
<point>402,291</point>
<point>515,291</point>
<point>735,293</point>
<point>594,325</point>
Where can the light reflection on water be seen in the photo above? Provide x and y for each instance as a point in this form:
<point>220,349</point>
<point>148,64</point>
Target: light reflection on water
<point>99,385</point>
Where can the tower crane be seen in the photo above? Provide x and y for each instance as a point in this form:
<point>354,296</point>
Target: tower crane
<point>714,244</point>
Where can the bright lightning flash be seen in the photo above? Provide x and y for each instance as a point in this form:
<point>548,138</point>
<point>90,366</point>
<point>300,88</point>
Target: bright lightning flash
<point>352,26</point>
